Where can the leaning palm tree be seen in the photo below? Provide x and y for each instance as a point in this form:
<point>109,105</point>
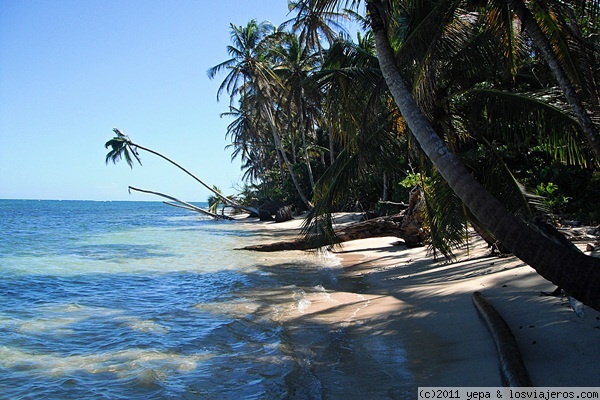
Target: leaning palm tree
<point>552,35</point>
<point>577,273</point>
<point>121,147</point>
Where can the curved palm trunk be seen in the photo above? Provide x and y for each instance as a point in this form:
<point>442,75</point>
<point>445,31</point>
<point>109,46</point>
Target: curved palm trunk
<point>227,200</point>
<point>577,273</point>
<point>542,42</point>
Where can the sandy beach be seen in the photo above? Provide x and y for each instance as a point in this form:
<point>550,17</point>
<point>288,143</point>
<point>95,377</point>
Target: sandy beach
<point>398,295</point>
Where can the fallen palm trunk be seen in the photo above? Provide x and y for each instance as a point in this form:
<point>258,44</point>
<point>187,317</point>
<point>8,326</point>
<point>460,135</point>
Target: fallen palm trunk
<point>405,226</point>
<point>512,368</point>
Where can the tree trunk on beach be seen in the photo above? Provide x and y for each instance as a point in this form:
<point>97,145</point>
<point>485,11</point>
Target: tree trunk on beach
<point>406,225</point>
<point>398,225</point>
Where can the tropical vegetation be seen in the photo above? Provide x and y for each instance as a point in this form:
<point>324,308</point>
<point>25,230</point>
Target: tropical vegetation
<point>490,106</point>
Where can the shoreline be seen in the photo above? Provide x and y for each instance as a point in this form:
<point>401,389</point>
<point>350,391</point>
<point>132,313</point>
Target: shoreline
<point>410,300</point>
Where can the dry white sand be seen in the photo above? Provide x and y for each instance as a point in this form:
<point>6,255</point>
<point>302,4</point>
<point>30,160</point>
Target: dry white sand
<point>404,295</point>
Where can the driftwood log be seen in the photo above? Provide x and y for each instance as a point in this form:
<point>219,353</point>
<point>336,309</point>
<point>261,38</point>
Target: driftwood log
<point>407,225</point>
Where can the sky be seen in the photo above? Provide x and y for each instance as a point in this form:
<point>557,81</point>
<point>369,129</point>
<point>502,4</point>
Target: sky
<point>72,70</point>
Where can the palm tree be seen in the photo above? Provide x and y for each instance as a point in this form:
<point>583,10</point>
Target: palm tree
<point>249,143</point>
<point>316,25</point>
<point>121,147</point>
<point>367,128</point>
<point>471,86</point>
<point>577,273</point>
<point>469,116</point>
<point>251,74</point>
<point>295,62</point>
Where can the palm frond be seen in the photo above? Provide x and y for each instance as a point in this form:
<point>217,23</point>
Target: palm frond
<point>330,191</point>
<point>444,217</point>
<point>121,147</point>
<point>495,175</point>
<point>556,32</point>
<point>526,120</point>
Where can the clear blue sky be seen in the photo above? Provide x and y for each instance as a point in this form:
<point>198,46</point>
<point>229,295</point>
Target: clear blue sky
<point>71,70</point>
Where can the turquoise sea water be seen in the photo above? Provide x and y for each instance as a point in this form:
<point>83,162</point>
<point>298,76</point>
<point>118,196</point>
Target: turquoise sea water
<point>138,300</point>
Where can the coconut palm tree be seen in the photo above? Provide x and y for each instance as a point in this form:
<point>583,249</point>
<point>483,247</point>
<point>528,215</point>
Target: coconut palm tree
<point>295,62</point>
<point>469,117</point>
<point>249,141</point>
<point>250,73</point>
<point>122,147</point>
<point>317,25</point>
<point>577,273</point>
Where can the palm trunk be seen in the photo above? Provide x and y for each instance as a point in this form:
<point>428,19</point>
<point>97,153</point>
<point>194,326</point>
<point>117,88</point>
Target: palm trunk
<point>328,122</point>
<point>227,200</point>
<point>281,150</point>
<point>303,130</point>
<point>577,273</point>
<point>535,33</point>
<point>181,203</point>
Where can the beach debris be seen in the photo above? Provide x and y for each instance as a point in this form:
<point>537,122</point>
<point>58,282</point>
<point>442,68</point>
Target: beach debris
<point>406,225</point>
<point>577,306</point>
<point>512,368</point>
<point>284,214</point>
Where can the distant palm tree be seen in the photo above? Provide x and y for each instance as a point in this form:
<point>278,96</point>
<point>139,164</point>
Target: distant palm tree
<point>121,147</point>
<point>317,24</point>
<point>295,62</point>
<point>250,74</point>
<point>249,142</point>
<point>214,202</point>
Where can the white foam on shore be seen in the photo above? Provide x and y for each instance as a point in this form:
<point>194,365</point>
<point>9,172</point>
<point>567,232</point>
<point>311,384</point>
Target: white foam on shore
<point>124,363</point>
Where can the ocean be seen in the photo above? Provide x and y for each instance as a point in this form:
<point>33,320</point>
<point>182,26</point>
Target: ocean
<point>139,300</point>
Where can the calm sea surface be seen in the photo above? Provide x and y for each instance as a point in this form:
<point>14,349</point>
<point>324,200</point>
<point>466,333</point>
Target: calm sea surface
<point>139,300</point>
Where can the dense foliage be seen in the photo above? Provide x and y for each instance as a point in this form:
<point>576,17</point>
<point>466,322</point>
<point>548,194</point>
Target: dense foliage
<point>315,125</point>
